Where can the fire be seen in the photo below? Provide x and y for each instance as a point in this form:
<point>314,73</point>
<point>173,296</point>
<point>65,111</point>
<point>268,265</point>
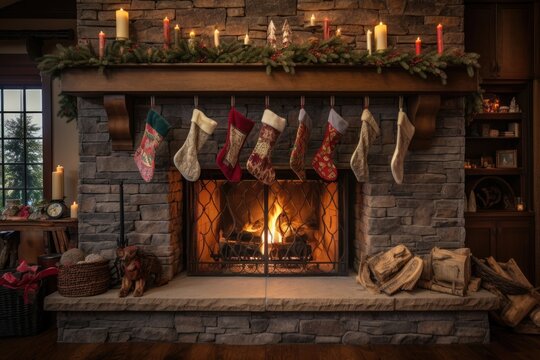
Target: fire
<point>272,234</point>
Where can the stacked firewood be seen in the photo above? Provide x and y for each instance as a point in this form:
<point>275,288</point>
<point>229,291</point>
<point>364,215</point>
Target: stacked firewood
<point>517,297</point>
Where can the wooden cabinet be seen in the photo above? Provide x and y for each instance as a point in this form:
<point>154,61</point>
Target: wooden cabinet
<point>503,236</point>
<point>502,34</point>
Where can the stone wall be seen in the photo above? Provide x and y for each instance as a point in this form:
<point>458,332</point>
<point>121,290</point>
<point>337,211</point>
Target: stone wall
<point>273,328</point>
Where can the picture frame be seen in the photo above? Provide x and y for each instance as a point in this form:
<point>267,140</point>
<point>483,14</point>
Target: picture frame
<point>486,162</point>
<point>507,158</point>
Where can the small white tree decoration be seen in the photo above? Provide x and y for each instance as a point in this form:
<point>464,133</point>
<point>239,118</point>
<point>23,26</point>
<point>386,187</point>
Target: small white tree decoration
<point>287,34</point>
<point>271,34</point>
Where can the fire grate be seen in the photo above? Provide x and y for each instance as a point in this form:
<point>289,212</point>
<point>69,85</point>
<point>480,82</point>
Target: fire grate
<point>248,228</point>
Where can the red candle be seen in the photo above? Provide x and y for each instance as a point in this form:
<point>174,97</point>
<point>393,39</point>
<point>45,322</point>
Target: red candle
<point>440,46</point>
<point>326,29</point>
<point>166,32</point>
<point>101,36</point>
<point>418,44</point>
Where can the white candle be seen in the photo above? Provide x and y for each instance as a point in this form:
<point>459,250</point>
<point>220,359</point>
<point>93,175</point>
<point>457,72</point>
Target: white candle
<point>312,20</point>
<point>216,38</point>
<point>368,38</point>
<point>380,37</point>
<point>58,183</point>
<point>74,210</point>
<point>246,39</point>
<point>122,24</point>
<point>191,38</point>
<point>338,32</point>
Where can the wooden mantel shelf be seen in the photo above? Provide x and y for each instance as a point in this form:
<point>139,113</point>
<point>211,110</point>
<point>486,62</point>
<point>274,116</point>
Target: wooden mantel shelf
<point>119,83</point>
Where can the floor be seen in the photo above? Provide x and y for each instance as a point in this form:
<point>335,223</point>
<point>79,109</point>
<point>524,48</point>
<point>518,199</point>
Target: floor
<point>504,345</point>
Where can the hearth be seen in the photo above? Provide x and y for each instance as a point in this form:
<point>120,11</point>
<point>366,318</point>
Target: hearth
<point>292,227</point>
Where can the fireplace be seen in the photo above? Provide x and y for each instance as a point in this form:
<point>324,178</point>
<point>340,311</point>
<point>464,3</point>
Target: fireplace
<point>292,227</point>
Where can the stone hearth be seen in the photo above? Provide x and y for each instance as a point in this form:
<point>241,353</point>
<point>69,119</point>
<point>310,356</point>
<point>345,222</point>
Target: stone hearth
<point>273,310</point>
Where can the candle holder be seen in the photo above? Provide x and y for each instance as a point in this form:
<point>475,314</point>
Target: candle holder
<point>314,29</point>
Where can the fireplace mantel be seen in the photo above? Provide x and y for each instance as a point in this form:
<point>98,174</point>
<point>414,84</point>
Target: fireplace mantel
<point>118,83</point>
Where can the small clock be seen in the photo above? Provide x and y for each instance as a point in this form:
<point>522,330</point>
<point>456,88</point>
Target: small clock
<point>57,210</point>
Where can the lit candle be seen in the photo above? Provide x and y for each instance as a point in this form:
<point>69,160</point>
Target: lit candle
<point>216,38</point>
<point>191,38</point>
<point>74,210</point>
<point>58,183</point>
<point>326,29</point>
<point>101,37</point>
<point>380,37</point>
<point>166,32</point>
<point>440,46</point>
<point>246,39</point>
<point>368,39</point>
<point>312,20</point>
<point>176,35</point>
<point>122,24</point>
<point>338,32</point>
<point>418,46</point>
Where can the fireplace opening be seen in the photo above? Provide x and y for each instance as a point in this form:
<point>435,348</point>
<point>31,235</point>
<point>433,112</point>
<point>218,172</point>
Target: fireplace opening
<point>292,227</point>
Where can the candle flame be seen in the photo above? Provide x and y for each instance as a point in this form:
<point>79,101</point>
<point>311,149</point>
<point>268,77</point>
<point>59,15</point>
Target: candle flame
<point>313,16</point>
<point>121,9</point>
<point>176,27</point>
<point>418,39</point>
<point>216,31</point>
<point>439,26</point>
<point>101,33</point>
<point>166,19</point>
<point>380,23</point>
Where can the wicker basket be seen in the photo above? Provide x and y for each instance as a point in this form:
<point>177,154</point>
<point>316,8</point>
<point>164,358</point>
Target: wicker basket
<point>18,318</point>
<point>86,279</point>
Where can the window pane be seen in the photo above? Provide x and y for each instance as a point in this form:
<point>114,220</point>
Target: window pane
<point>14,194</point>
<point>34,176</point>
<point>14,175</point>
<point>34,153</point>
<point>13,100</point>
<point>33,100</point>
<point>34,125</point>
<point>13,151</point>
<point>13,125</point>
<point>34,196</point>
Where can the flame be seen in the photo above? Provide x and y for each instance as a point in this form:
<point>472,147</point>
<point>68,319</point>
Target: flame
<point>272,235</point>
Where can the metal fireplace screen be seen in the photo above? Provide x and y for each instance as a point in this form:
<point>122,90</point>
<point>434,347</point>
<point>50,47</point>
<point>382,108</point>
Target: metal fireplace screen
<point>248,228</point>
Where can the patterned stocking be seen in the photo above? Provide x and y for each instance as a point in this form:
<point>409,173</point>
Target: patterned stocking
<point>405,133</point>
<point>322,162</point>
<point>368,133</point>
<point>227,158</point>
<point>260,163</point>
<point>300,144</point>
<point>186,158</point>
<point>156,129</point>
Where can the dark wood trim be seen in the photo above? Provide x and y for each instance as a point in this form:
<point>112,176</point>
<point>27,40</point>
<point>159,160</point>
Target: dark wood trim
<point>46,86</point>
<point>536,173</point>
<point>118,108</point>
<point>18,70</point>
<point>423,111</point>
<point>178,79</point>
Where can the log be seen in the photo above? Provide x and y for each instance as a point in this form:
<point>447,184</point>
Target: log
<point>535,316</point>
<point>451,268</point>
<point>513,270</point>
<point>474,284</point>
<point>426,268</point>
<point>406,279</point>
<point>520,306</point>
<point>497,268</point>
<point>385,264</point>
<point>503,300</point>
<point>364,278</point>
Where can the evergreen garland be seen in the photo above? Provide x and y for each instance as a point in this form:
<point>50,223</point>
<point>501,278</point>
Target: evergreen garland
<point>331,51</point>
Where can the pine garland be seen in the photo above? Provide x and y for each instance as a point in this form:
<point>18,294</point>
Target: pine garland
<point>332,51</point>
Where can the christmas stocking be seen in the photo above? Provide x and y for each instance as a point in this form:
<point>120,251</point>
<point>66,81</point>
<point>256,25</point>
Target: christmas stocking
<point>368,133</point>
<point>156,129</point>
<point>186,158</point>
<point>227,158</point>
<point>322,162</point>
<point>405,132</point>
<point>300,145</point>
<point>260,163</point>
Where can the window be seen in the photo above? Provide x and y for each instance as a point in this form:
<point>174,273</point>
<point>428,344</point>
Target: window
<point>21,148</point>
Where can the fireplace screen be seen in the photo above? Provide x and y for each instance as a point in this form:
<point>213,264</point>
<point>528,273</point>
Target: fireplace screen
<point>248,228</point>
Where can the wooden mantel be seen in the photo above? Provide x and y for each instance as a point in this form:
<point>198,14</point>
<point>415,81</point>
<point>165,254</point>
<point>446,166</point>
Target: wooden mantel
<point>119,83</point>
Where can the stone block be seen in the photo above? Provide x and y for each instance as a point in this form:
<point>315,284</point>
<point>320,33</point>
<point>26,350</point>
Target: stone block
<point>87,335</point>
<point>283,325</point>
<point>117,337</point>
<point>411,339</point>
<point>436,327</point>
<point>295,338</point>
<point>328,340</point>
<point>233,322</point>
<point>270,8</point>
<point>323,327</point>
<point>188,324</point>
<point>260,325</point>
<point>200,18</point>
<point>206,338</point>
<point>381,327</point>
<point>155,212</point>
<point>115,163</point>
<point>154,334</point>
<point>152,227</point>
<point>218,3</point>
<point>356,338</point>
<point>248,339</point>
<point>379,226</point>
<point>188,338</point>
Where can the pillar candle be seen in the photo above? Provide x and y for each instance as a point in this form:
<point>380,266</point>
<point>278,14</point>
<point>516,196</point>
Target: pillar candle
<point>176,35</point>
<point>74,210</point>
<point>418,46</point>
<point>338,32</point>
<point>216,38</point>
<point>58,183</point>
<point>101,37</point>
<point>166,32</point>
<point>440,46</point>
<point>326,29</point>
<point>368,39</point>
<point>246,39</point>
<point>380,37</point>
<point>312,20</point>
<point>192,38</point>
<point>122,24</point>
